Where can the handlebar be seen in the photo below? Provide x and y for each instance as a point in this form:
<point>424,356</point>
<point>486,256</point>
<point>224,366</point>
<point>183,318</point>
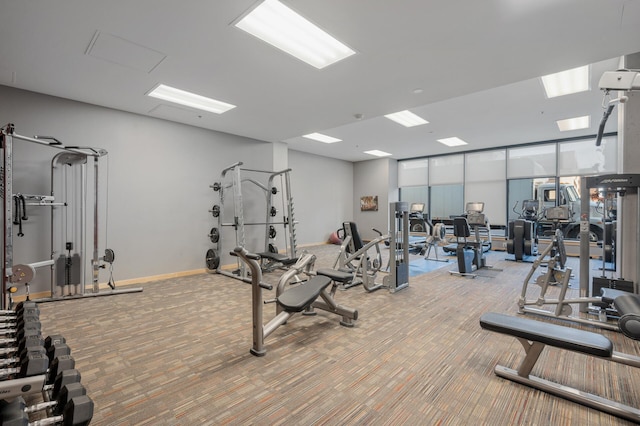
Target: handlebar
<point>375,230</point>
<point>238,251</point>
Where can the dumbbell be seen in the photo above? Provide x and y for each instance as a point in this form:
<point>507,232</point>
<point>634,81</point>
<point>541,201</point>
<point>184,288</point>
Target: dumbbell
<point>56,367</point>
<point>14,338</point>
<point>21,309</point>
<point>18,357</point>
<point>9,326</point>
<point>73,408</point>
<point>33,363</point>
<point>63,378</point>
<point>26,342</point>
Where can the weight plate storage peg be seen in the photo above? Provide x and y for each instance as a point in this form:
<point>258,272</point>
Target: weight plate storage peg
<point>212,260</point>
<point>216,186</point>
<point>214,235</point>
<point>274,190</point>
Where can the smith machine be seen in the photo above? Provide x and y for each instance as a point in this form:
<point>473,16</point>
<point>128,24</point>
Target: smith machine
<point>231,185</point>
<point>67,202</point>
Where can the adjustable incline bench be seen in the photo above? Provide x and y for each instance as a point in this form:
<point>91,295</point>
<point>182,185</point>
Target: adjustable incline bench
<point>535,335</point>
<point>289,300</point>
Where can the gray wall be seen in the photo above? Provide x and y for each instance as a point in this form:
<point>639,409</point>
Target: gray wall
<point>374,177</point>
<point>322,190</point>
<point>159,174</point>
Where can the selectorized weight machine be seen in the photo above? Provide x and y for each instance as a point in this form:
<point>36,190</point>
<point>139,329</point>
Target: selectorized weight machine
<point>68,202</point>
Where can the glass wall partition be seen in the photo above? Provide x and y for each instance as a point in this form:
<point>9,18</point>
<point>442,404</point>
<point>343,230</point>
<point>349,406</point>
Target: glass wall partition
<point>485,174</point>
<point>446,180</point>
<point>413,180</point>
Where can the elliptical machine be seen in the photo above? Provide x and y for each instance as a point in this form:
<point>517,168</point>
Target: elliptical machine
<point>522,241</point>
<point>470,253</point>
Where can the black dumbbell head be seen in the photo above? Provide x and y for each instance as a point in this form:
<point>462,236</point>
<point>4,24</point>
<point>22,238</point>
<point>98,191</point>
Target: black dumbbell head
<point>68,392</point>
<point>59,364</point>
<point>64,377</point>
<point>34,364</point>
<point>53,339</point>
<point>78,411</point>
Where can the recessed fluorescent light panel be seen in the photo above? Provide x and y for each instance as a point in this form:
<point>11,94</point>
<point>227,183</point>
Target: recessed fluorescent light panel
<point>576,123</point>
<point>566,82</point>
<point>189,99</point>
<point>377,153</point>
<point>275,23</point>
<point>452,141</point>
<point>406,118</point>
<point>322,138</point>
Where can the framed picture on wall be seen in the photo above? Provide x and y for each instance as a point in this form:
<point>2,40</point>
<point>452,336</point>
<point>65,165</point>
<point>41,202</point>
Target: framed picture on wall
<point>369,203</point>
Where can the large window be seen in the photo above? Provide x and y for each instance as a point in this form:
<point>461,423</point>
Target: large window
<point>531,161</point>
<point>485,174</point>
<point>548,173</point>
<point>447,201</point>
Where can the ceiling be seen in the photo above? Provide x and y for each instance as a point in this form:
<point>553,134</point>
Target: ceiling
<point>476,63</point>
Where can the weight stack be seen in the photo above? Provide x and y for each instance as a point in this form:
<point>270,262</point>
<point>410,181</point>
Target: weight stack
<point>603,282</point>
<point>60,275</point>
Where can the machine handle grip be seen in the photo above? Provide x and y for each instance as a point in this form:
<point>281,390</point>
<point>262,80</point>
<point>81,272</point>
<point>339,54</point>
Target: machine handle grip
<point>240,251</point>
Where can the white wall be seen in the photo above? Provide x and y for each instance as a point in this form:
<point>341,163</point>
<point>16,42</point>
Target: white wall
<point>158,183</point>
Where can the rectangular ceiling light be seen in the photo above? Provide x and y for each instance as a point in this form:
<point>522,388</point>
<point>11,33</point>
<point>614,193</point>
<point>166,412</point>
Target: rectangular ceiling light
<point>377,153</point>
<point>452,141</point>
<point>576,123</point>
<point>275,23</point>
<point>406,118</point>
<point>566,82</point>
<point>322,138</point>
<point>189,99</point>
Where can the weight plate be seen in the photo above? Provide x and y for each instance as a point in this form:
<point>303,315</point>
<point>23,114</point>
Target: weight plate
<point>273,248</point>
<point>212,259</point>
<point>214,235</point>
<point>215,211</point>
<point>272,232</point>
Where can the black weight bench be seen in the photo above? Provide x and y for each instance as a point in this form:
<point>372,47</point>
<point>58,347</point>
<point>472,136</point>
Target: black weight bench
<point>343,277</point>
<point>272,261</point>
<point>535,335</point>
<point>299,298</point>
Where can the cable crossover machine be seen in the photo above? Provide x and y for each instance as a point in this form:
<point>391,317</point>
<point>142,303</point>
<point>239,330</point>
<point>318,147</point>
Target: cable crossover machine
<point>67,201</point>
<point>231,213</point>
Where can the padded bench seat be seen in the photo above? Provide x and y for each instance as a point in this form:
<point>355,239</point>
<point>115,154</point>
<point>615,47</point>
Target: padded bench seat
<point>535,335</point>
<point>297,299</point>
<point>608,295</point>
<point>278,257</point>
<point>336,275</point>
<point>550,334</point>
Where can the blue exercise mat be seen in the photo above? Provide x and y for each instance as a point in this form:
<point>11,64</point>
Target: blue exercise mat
<point>422,266</point>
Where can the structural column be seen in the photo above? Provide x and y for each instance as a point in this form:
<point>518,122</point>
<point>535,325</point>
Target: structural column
<point>628,235</point>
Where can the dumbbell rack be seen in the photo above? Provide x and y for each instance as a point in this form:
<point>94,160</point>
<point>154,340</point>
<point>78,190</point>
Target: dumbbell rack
<point>231,180</point>
<point>31,365</point>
